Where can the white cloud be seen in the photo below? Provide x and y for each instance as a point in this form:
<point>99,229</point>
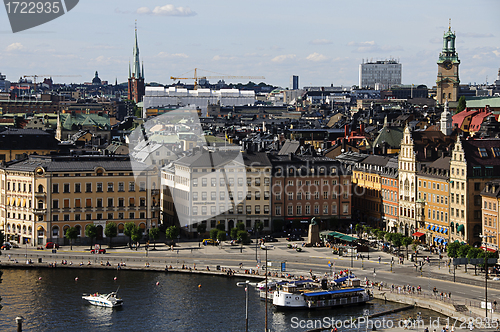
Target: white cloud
<point>320,42</point>
<point>316,57</point>
<point>175,55</point>
<point>223,58</point>
<point>281,58</point>
<point>371,46</point>
<point>366,43</point>
<point>167,10</point>
<point>14,47</point>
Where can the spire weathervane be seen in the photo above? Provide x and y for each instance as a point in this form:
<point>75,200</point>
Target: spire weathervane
<point>449,24</point>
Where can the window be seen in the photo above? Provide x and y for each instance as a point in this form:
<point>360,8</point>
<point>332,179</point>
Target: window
<point>55,217</point>
<point>142,201</point>
<point>99,203</point>
<point>142,186</point>
<point>110,202</point>
<point>334,208</point>
<point>55,204</point>
<point>266,209</point>
<point>131,201</point>
<point>290,196</point>
<point>131,215</point>
<point>99,216</point>
<point>203,182</point>
<point>121,202</point>
<point>277,210</point>
<point>77,203</point>
<point>110,216</point>
<point>204,196</point>
<point>483,153</point>
<point>66,203</point>
<point>110,187</point>
<point>66,188</point>
<point>496,151</point>
<point>345,208</point>
<point>88,216</point>
<point>257,195</point>
<point>240,209</point>
<point>257,182</point>
<point>204,210</point>
<point>213,182</point>
<point>131,186</point>
<point>325,209</point>
<point>77,217</point>
<point>222,195</point>
<point>195,210</point>
<point>121,186</point>
<point>88,202</point>
<point>308,209</point>
<point>316,195</point>
<point>308,196</point>
<point>77,188</point>
<point>88,187</point>
<point>195,196</point>
<point>195,182</point>
<point>55,188</point>
<point>213,210</point>
<point>240,181</point>
<point>213,195</point>
<point>99,187</point>
<point>316,209</point>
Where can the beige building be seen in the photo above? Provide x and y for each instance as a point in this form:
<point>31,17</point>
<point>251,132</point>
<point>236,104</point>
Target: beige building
<point>43,196</point>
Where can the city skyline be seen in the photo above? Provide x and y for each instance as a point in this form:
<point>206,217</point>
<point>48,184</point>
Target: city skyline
<point>323,43</point>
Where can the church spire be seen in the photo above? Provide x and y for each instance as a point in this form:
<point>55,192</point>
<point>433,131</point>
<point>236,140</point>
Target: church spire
<point>136,66</point>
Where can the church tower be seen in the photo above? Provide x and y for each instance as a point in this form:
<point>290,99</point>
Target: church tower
<point>447,79</point>
<point>136,88</point>
<point>446,121</point>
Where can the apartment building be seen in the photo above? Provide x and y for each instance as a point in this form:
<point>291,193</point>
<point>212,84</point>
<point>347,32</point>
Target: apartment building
<point>309,186</point>
<point>42,196</point>
<point>433,195</point>
<point>217,188</point>
<point>490,196</point>
<point>390,194</point>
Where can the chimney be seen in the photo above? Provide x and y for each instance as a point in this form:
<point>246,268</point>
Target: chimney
<point>346,130</point>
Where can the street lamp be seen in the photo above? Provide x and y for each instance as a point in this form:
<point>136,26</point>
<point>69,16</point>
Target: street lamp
<point>245,284</point>
<point>266,248</point>
<point>486,272</point>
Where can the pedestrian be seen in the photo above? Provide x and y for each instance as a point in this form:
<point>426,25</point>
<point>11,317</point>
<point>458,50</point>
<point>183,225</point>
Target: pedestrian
<point>379,259</point>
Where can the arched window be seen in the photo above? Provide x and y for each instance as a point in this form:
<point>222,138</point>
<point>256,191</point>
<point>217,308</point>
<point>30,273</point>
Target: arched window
<point>40,188</point>
<point>40,204</point>
<point>55,231</point>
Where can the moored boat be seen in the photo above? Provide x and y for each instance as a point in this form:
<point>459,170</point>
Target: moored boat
<point>290,297</point>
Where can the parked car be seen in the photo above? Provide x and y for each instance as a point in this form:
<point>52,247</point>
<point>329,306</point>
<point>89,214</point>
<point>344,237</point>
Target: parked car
<point>269,238</point>
<point>6,246</point>
<point>294,237</point>
<point>51,245</point>
<point>14,245</point>
<point>208,241</point>
<point>101,251</point>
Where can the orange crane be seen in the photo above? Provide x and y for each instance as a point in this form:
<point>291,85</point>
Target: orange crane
<point>196,77</point>
<point>36,76</point>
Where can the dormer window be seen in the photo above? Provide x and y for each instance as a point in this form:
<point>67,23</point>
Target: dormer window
<point>496,151</point>
<point>483,153</point>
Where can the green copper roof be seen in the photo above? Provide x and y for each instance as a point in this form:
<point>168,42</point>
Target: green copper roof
<point>68,120</point>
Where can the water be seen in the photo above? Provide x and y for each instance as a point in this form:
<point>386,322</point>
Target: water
<point>54,303</point>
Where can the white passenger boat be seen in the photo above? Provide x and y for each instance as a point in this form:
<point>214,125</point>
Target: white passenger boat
<point>290,297</point>
<point>104,300</point>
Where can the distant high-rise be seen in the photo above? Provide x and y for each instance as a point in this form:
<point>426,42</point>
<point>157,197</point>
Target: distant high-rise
<point>294,82</point>
<point>136,75</point>
<point>379,75</point>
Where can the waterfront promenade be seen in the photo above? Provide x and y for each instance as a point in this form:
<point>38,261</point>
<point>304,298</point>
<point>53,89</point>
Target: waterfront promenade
<point>249,262</point>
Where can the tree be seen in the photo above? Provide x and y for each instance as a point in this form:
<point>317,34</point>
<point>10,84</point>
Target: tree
<point>213,233</point>
<point>221,236</point>
<point>259,226</point>
<point>388,236</point>
<point>172,232</point>
<point>71,234</point>
<point>234,233</point>
<point>243,236</point>
<point>464,250</point>
<point>221,227</point>
<point>136,237</point>
<point>91,232</point>
<point>128,231</point>
<point>381,235</point>
<point>462,104</point>
<point>406,241</point>
<point>358,228</point>
<point>240,226</point>
<point>397,240</point>
<point>154,234</point>
<point>474,253</point>
<point>111,230</point>
<point>201,228</point>
<point>453,249</point>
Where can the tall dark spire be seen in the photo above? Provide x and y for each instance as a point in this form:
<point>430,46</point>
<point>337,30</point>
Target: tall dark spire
<point>136,65</point>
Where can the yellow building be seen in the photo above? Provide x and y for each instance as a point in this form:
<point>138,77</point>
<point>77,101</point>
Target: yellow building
<point>14,143</point>
<point>490,212</point>
<point>43,196</point>
<point>433,194</point>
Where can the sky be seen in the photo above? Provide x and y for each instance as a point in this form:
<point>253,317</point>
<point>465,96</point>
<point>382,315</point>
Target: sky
<point>323,42</point>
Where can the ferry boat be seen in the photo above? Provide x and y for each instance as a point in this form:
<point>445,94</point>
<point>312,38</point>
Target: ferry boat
<point>271,286</point>
<point>290,297</point>
<point>104,300</point>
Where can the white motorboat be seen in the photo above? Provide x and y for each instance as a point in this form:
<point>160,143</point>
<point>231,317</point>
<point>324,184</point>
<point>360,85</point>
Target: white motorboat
<point>104,300</point>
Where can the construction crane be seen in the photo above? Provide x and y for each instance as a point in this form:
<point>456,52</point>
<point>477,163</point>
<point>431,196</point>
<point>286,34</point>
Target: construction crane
<point>196,77</point>
<point>36,76</point>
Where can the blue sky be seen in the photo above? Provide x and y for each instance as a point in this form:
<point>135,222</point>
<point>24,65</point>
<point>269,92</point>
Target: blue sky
<point>321,41</point>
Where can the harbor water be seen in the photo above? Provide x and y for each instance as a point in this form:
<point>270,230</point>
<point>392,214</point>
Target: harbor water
<point>50,300</point>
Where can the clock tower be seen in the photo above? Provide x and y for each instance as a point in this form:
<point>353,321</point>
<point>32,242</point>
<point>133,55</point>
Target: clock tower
<point>447,79</point>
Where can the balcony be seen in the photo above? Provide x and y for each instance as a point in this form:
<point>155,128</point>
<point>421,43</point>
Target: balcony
<point>39,195</point>
<point>39,211</point>
<point>155,192</point>
<point>155,208</point>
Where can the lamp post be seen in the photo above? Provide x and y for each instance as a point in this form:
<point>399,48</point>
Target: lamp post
<point>245,284</point>
<point>486,272</point>
<point>266,248</point>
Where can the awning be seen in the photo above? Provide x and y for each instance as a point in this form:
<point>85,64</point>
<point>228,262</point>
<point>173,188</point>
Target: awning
<point>452,224</point>
<point>418,234</point>
<point>445,242</point>
<point>488,249</point>
<point>347,238</point>
<point>460,228</point>
<point>433,228</point>
<point>40,228</point>
<point>435,239</point>
<point>428,226</point>
<point>446,231</point>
